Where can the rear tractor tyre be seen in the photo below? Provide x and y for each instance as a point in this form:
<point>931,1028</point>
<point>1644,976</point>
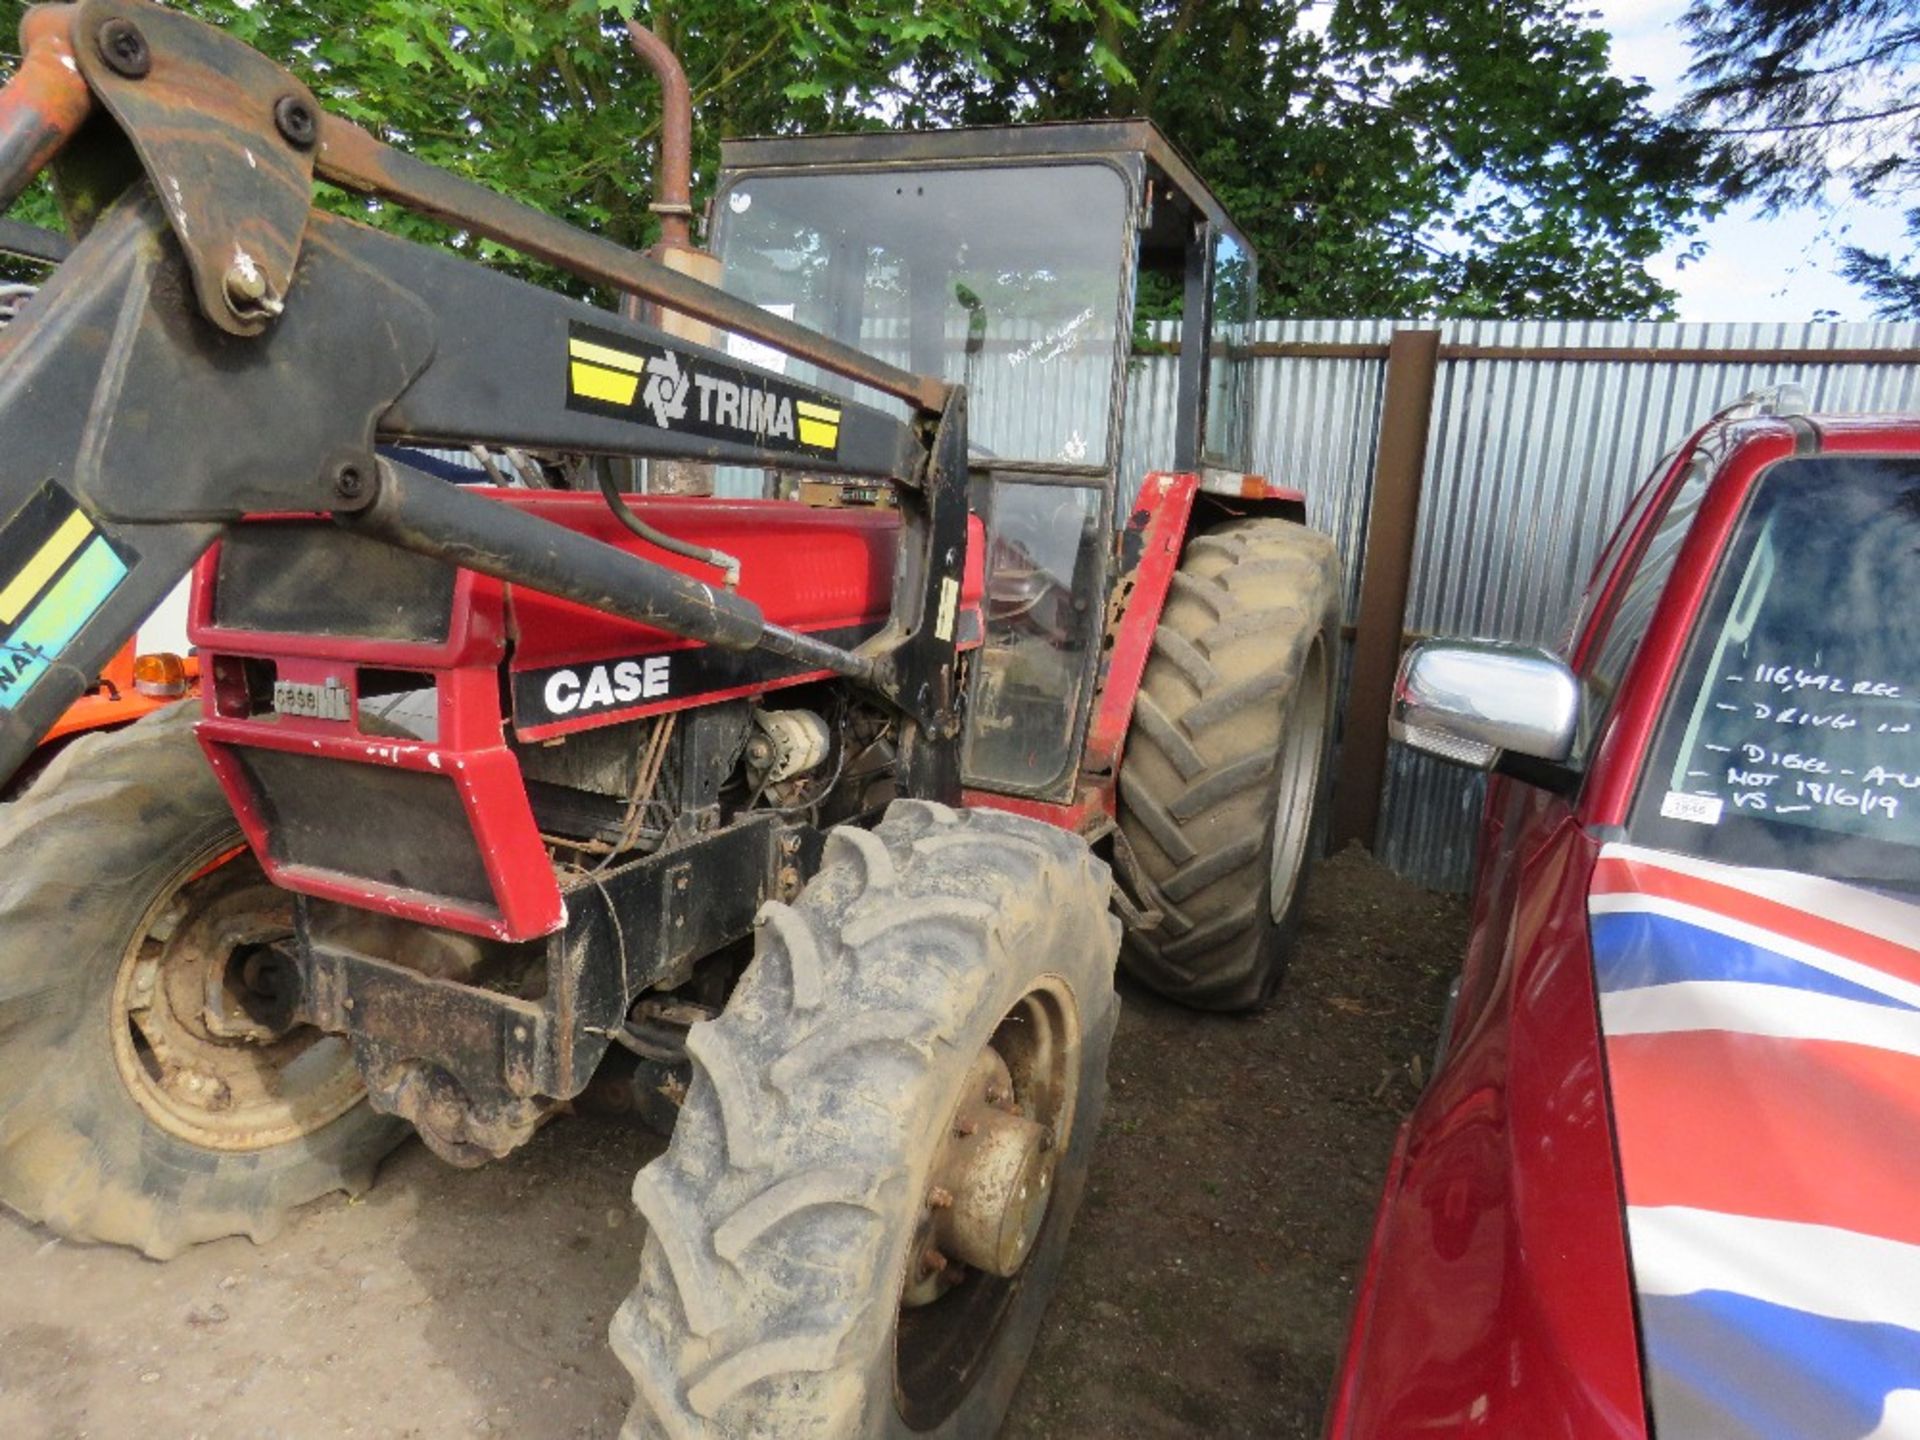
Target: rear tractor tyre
<point>147,1097</point>
<point>1223,784</point>
<point>863,1211</point>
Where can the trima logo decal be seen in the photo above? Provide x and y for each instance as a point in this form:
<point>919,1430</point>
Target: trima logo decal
<point>666,393</point>
<point>610,374</point>
<point>56,571</point>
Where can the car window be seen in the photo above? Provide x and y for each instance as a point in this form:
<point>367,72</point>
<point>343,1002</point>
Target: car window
<point>1619,633</point>
<point>1793,738</point>
<point>1654,486</point>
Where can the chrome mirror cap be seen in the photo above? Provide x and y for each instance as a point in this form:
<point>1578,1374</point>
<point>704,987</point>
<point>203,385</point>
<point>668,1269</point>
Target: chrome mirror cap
<point>1467,701</point>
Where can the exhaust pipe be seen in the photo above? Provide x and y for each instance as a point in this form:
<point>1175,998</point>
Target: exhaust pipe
<point>673,203</point>
<point>673,179</point>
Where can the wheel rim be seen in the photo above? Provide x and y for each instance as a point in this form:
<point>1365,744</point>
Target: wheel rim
<point>1303,735</point>
<point>194,1039</point>
<point>989,1200</point>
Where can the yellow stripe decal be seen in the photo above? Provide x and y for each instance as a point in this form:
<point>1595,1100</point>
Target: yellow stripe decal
<point>36,572</point>
<point>819,424</point>
<point>606,355</point>
<point>615,387</point>
<point>71,603</point>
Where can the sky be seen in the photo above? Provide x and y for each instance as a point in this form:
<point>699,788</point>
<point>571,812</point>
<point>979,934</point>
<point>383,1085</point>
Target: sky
<point>1755,267</point>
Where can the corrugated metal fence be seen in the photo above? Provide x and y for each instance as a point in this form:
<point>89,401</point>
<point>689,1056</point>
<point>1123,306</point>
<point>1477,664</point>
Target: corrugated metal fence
<point>1540,431</point>
<point>1532,453</point>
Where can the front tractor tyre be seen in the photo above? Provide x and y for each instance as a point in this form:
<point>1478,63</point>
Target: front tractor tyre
<point>149,1096</point>
<point>863,1211</point>
<point>1223,783</point>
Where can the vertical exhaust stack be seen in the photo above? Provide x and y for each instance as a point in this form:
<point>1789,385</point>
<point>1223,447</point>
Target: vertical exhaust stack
<point>673,203</point>
<point>673,180</point>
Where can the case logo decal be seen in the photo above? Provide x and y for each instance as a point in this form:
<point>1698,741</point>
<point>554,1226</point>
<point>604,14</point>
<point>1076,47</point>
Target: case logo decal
<point>630,685</point>
<point>573,691</point>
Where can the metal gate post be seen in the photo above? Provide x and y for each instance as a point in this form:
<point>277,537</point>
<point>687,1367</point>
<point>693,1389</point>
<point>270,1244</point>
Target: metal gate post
<point>1413,361</point>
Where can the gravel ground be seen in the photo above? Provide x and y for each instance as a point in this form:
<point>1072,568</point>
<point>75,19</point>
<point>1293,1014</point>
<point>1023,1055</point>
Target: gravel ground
<point>1206,1293</point>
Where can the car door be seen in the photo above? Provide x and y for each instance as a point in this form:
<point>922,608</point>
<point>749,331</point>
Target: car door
<point>1606,629</point>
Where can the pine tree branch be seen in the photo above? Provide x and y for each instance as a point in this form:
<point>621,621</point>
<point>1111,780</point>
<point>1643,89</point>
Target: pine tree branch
<point>1827,124</point>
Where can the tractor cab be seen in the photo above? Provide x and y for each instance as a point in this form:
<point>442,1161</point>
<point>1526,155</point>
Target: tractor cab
<point>1022,262</point>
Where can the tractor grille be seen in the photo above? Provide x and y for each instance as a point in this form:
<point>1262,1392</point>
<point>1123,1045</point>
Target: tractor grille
<point>405,829</point>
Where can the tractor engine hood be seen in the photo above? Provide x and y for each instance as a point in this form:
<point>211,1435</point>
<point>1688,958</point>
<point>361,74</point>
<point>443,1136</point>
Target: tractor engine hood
<point>1762,1034</point>
<point>355,713</point>
<point>827,572</point>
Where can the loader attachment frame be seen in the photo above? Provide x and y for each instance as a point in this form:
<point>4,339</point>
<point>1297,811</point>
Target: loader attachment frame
<point>215,347</point>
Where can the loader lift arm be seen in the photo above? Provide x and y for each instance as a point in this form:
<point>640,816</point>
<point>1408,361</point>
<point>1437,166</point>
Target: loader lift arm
<point>215,347</point>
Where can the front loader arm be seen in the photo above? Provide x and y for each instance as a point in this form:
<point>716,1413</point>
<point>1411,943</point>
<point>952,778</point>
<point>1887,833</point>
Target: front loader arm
<point>214,348</point>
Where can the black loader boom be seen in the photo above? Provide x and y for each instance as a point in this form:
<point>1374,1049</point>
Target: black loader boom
<point>215,347</point>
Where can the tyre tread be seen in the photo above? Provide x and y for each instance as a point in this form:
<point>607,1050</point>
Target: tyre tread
<point>1247,602</point>
<point>758,1283</point>
<point>117,813</point>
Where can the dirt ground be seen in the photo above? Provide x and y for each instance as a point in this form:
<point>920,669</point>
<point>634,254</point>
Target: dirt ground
<point>1206,1293</point>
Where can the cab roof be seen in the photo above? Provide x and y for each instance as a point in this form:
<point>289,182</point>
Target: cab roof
<point>1047,140</point>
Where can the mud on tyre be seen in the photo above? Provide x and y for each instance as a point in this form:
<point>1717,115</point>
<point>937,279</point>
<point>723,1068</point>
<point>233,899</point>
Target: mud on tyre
<point>1224,779</point>
<point>141,1101</point>
<point>944,986</point>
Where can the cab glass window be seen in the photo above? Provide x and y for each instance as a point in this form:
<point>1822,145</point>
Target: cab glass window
<point>1045,552</point>
<point>1232,279</point>
<point>1007,279</point>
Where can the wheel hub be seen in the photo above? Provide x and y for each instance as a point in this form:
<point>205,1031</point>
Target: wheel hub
<point>994,1176</point>
<point>991,1182</point>
<point>988,1205</point>
<point>202,1017</point>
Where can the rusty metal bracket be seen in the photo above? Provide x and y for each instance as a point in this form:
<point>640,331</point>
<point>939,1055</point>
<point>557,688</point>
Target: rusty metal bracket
<point>219,129</point>
<point>475,1068</point>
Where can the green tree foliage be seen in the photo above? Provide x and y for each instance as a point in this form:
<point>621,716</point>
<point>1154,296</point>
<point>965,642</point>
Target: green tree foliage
<point>1804,95</point>
<point>1461,157</point>
<point>1468,157</point>
<point>545,101</point>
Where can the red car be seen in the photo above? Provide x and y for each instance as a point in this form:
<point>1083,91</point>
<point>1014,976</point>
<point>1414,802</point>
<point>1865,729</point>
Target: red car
<point>1666,1177</point>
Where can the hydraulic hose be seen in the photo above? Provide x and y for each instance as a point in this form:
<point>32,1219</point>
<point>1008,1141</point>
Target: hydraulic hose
<point>719,559</point>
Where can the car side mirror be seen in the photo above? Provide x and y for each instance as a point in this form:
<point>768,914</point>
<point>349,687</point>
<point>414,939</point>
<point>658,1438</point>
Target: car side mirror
<point>1475,701</point>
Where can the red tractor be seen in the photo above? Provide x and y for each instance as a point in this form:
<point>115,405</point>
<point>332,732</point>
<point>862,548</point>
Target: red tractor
<point>808,807</point>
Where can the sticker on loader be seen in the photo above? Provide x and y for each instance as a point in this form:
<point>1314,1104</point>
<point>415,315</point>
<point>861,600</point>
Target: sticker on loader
<point>609,374</point>
<point>56,571</point>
